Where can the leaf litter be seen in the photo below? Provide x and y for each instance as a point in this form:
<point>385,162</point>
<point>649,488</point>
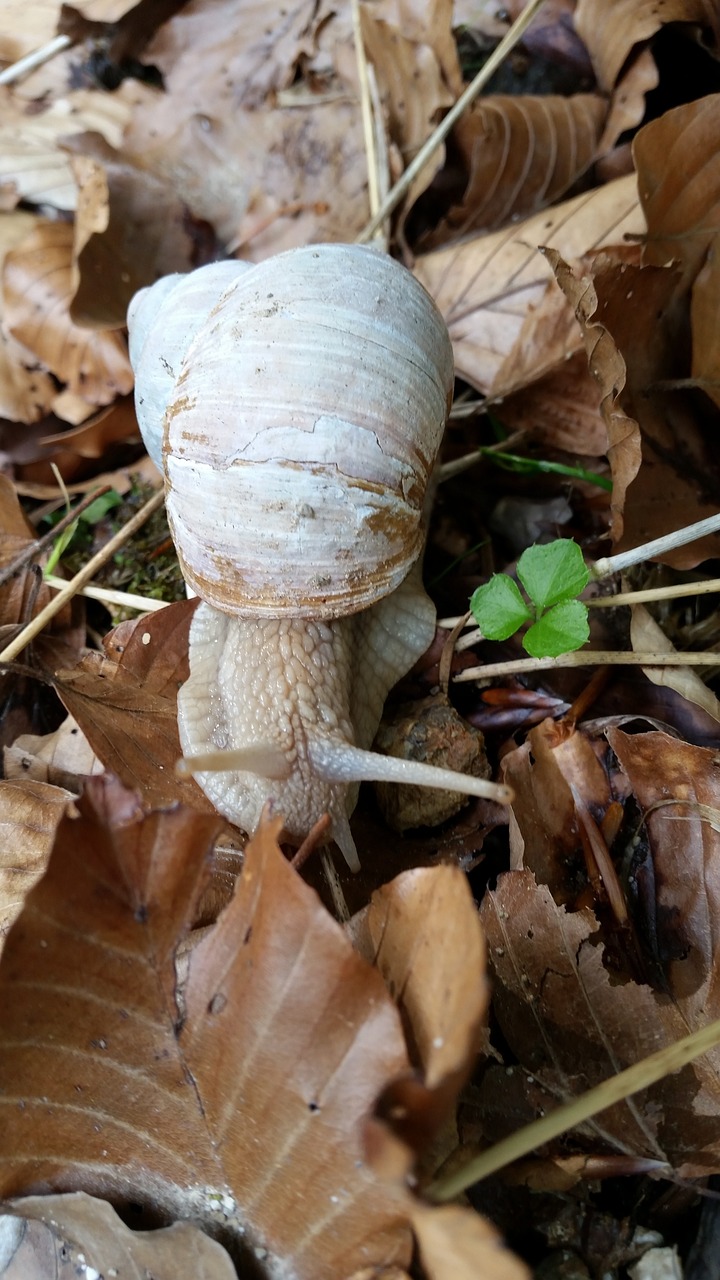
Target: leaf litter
<point>153,144</point>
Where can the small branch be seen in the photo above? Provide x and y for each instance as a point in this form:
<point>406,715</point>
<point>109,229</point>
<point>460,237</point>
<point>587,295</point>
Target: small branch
<point>34,549</point>
<point>640,1076</point>
<point>497,57</point>
<point>71,588</point>
<point>588,658</point>
<point>106,595</point>
<point>704,588</point>
<point>366,112</point>
<point>30,61</point>
<point>658,547</point>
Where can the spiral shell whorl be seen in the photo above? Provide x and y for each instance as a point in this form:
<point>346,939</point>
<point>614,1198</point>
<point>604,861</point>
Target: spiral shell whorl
<point>301,433</point>
<point>162,321</point>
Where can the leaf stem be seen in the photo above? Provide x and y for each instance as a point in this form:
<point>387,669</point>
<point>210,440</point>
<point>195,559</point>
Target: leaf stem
<point>34,549</point>
<point>497,57</point>
<point>71,588</point>
<point>658,547</point>
<point>639,1076</point>
<point>587,658</point>
<point>678,591</point>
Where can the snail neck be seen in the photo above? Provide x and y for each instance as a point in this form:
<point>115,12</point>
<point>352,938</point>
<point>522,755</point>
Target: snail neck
<point>264,689</point>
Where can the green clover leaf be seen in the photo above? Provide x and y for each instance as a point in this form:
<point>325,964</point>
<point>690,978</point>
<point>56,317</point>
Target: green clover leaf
<point>553,572</point>
<point>498,608</point>
<point>561,630</point>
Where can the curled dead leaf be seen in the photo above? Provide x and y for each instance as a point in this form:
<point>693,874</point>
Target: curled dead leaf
<point>38,290</point>
<point>520,154</point>
<point>488,287</point>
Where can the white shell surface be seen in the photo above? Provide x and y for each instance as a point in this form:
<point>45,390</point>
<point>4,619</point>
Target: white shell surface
<point>302,430</point>
<point>162,321</point>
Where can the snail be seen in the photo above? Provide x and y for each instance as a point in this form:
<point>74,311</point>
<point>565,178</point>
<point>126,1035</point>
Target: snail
<point>296,408</point>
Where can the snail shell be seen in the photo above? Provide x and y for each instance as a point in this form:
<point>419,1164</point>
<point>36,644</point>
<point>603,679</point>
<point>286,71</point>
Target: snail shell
<point>301,432</point>
<point>297,408</point>
<point>162,321</point>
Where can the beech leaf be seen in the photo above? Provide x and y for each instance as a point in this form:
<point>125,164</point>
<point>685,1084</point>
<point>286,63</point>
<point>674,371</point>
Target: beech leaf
<point>249,1109</point>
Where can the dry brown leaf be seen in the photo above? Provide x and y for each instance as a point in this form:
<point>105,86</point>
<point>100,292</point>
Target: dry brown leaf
<point>126,704</point>
<point>266,177</point>
<point>412,88</point>
<point>78,1235</point>
<point>521,154</point>
<point>554,760</point>
<point>409,922</point>
<point>561,1015</point>
<point>570,1017</point>
<point>452,1240</point>
<point>611,28</point>
<point>28,26</point>
<point>38,290</point>
<point>647,637</point>
<point>430,25</point>
<point>129,230</point>
<point>29,816</point>
<point>259,129</point>
<point>26,392</point>
<point>629,317</point>
<point>678,793</point>
<point>625,112</point>
<point>607,366</point>
<point>94,437</point>
<point>679,183</point>
<point>32,161</point>
<point>252,1113</point>
<point>488,287</point>
<point>61,758</point>
<point>560,410</point>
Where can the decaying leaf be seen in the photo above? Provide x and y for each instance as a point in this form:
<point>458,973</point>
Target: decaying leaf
<point>32,160</point>
<point>487,288</point>
<point>611,28</point>
<point>521,154</point>
<point>252,1112</point>
<point>61,758</point>
<point>129,230</point>
<point>76,1234</point>
<point>658,451</point>
<point>126,704</point>
<point>679,184</point>
<point>647,637</point>
<point>567,992</point>
<point>38,290</point>
<point>407,923</point>
<point>29,816</point>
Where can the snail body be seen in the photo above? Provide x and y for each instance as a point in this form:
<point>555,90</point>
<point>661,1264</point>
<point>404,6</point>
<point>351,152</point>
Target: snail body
<point>303,403</point>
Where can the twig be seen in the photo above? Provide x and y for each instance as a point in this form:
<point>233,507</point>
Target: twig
<point>106,595</point>
<point>35,626</point>
<point>34,549</point>
<point>640,1076</point>
<point>35,59</point>
<point>366,113</point>
<point>659,546</point>
<point>497,57</point>
<point>446,656</point>
<point>704,588</point>
<point>588,658</point>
